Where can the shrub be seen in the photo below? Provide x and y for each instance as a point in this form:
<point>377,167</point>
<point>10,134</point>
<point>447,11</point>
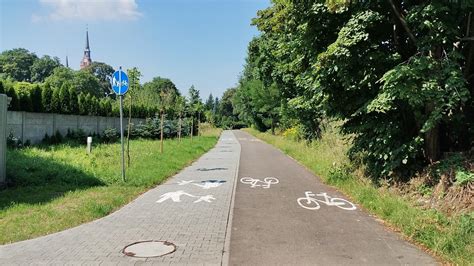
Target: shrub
<point>81,102</point>
<point>12,141</point>
<point>55,106</point>
<point>463,178</point>
<point>56,138</point>
<point>64,99</point>
<point>110,135</point>
<point>73,101</point>
<point>36,99</point>
<point>46,98</point>
<point>14,103</point>
<point>76,135</point>
<point>23,90</point>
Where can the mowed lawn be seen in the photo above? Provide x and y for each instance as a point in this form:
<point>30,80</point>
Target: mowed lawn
<point>60,186</point>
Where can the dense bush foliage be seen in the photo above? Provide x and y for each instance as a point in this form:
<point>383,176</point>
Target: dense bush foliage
<point>400,75</point>
<point>65,100</point>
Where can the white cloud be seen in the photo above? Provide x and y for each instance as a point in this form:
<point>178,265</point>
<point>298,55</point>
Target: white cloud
<point>88,10</point>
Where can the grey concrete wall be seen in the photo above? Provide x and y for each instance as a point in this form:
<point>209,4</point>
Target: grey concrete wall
<point>89,124</point>
<point>3,137</point>
<point>63,123</point>
<point>15,124</point>
<point>34,126</point>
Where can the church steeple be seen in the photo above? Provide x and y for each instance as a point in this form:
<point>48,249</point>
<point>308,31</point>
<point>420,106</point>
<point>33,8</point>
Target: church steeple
<point>87,39</point>
<point>67,62</point>
<point>86,59</point>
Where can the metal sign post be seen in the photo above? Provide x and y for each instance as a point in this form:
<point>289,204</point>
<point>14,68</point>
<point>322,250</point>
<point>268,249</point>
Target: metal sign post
<point>120,87</point>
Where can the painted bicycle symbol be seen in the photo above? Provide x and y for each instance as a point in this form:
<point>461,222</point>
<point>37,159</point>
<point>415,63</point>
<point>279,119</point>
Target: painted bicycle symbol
<point>311,203</point>
<point>254,182</point>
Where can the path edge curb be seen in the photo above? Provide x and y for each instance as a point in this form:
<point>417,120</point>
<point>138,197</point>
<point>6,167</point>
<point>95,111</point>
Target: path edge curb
<point>226,250</point>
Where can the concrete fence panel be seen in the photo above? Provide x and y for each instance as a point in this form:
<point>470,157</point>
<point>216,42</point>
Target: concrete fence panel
<point>103,125</point>
<point>15,124</point>
<point>36,125</point>
<point>3,137</point>
<point>89,124</point>
<point>63,123</point>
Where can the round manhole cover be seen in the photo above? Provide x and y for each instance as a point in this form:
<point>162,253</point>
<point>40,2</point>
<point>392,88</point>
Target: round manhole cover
<point>149,249</point>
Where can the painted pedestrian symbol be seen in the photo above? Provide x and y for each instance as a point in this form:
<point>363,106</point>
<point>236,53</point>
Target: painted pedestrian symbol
<point>207,184</point>
<point>265,183</point>
<point>176,197</point>
<point>311,203</point>
<point>120,82</point>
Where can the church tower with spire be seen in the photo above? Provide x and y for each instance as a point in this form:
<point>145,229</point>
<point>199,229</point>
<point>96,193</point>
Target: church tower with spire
<point>86,59</point>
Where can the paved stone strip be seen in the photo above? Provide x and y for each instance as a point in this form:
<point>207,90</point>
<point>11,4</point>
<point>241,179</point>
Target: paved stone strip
<point>192,212</point>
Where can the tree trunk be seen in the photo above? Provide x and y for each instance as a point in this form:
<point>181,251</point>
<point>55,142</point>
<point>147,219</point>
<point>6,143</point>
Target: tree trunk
<point>432,144</point>
<point>128,130</point>
<point>432,137</point>
<point>468,73</point>
<point>402,21</point>
<point>199,125</point>
<point>161,132</point>
<point>179,129</point>
<point>273,126</point>
<point>192,128</point>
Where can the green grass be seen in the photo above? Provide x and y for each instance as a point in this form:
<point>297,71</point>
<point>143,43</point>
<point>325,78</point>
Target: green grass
<point>450,238</point>
<point>58,187</point>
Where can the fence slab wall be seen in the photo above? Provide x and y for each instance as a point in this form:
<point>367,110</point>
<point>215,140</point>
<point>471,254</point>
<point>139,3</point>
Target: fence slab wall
<point>3,137</point>
<point>34,126</point>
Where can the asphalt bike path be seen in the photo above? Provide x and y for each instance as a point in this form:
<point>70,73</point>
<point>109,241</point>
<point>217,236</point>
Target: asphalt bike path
<point>284,215</point>
<point>190,210</point>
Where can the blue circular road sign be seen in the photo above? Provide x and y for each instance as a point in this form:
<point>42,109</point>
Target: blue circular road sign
<point>120,82</point>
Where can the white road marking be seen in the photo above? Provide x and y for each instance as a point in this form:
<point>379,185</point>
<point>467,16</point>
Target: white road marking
<point>208,184</point>
<point>254,182</point>
<point>310,201</point>
<point>176,197</point>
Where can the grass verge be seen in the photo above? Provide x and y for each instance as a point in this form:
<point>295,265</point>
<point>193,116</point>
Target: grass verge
<point>59,187</point>
<point>450,238</point>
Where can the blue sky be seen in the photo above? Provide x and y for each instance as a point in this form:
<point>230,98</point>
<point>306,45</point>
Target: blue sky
<point>200,42</point>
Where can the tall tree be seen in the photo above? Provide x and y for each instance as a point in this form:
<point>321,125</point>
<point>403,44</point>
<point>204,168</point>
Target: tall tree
<point>65,99</point>
<point>73,101</point>
<point>56,101</point>
<point>167,100</point>
<point>398,73</point>
<point>2,88</point>
<point>23,90</point>
<point>226,109</point>
<point>134,84</point>
<point>59,77</point>
<point>102,72</point>
<point>36,94</point>
<point>16,64</point>
<point>194,106</point>
<point>14,103</point>
<point>46,98</point>
<point>88,83</point>
<point>180,107</point>
<point>209,105</point>
<point>43,68</point>
<point>81,103</point>
<point>150,95</point>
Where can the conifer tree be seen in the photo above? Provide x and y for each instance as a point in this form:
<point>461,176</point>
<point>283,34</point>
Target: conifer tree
<point>46,98</point>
